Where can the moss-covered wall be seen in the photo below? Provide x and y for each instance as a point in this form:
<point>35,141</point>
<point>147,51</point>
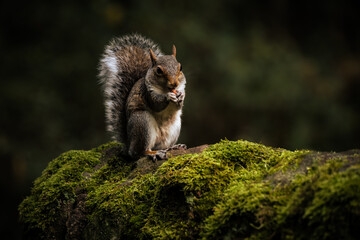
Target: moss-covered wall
<point>231,190</point>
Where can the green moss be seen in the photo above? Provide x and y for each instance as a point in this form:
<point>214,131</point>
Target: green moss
<point>231,190</point>
<point>58,187</point>
<point>324,204</point>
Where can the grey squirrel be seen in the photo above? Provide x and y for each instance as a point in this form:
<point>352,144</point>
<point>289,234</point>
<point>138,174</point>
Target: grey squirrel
<point>144,95</point>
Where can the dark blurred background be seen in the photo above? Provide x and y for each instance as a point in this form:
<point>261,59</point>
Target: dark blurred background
<point>283,73</point>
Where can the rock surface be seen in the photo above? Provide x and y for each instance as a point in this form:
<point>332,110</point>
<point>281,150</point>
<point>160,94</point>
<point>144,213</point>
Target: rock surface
<point>229,190</point>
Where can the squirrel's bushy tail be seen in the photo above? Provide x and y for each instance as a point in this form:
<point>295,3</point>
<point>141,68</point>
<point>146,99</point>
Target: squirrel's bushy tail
<point>124,61</point>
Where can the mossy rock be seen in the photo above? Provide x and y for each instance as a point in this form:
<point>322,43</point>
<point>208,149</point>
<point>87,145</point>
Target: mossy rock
<point>231,190</point>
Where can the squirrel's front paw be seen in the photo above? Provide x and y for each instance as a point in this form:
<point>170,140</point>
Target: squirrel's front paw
<point>180,96</point>
<point>172,97</point>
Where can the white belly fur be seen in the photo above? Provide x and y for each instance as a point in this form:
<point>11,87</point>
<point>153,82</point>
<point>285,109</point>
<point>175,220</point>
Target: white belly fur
<point>165,128</point>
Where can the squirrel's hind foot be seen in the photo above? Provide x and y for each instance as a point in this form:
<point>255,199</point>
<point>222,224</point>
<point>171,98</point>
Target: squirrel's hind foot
<point>179,146</point>
<point>161,154</point>
<point>156,155</point>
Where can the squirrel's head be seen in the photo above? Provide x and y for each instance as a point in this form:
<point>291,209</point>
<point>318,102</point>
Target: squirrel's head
<point>165,73</point>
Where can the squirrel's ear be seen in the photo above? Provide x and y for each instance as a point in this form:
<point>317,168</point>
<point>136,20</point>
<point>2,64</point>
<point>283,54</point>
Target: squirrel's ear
<point>153,57</point>
<point>174,51</point>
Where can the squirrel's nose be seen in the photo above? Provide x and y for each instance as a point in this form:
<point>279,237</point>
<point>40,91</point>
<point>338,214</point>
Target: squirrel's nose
<point>173,85</point>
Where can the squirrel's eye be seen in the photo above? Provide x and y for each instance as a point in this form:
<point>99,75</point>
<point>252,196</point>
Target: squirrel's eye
<point>159,70</point>
<point>180,67</point>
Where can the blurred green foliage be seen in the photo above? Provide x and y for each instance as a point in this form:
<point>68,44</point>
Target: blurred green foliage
<point>284,73</point>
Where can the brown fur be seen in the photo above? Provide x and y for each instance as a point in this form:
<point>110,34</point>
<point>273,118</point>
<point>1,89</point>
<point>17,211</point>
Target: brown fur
<point>139,82</point>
